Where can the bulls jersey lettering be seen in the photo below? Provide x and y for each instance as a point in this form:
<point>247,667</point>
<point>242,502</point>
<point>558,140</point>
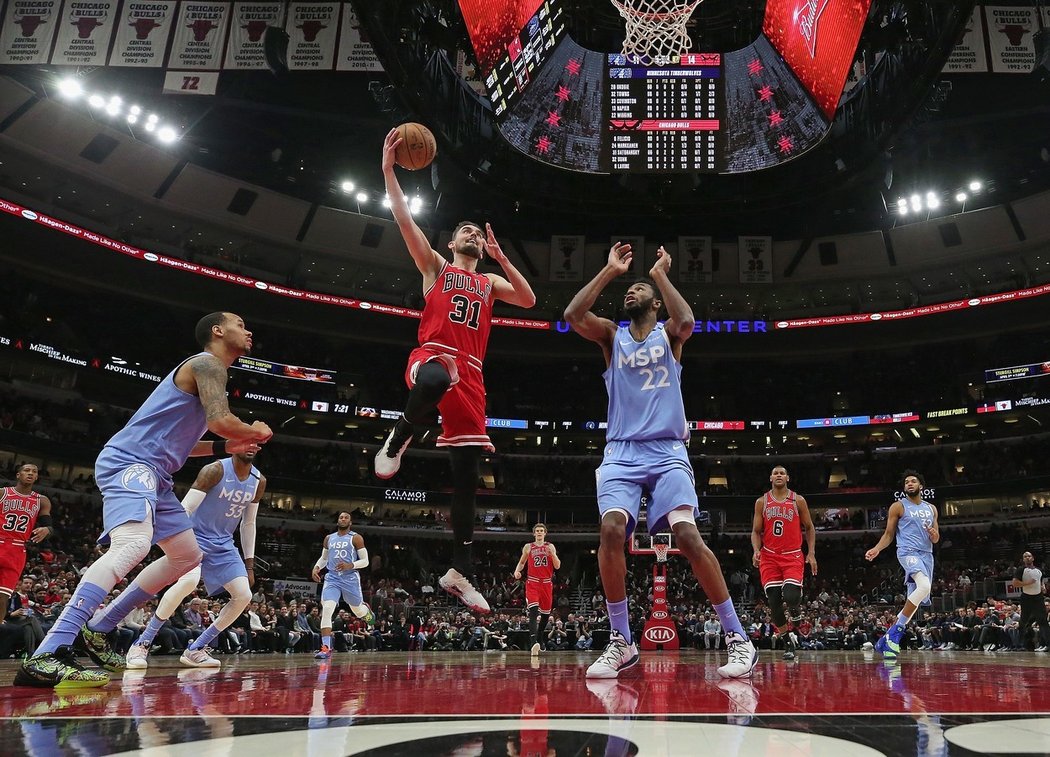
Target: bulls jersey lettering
<point>18,514</point>
<point>457,316</point>
<point>539,565</point>
<point>782,528</point>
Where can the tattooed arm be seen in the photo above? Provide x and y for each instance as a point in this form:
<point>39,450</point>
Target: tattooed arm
<point>208,377</point>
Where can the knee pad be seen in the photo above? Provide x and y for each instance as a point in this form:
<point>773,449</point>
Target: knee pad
<point>327,611</point>
<point>129,544</point>
<point>922,588</point>
<point>792,596</point>
<point>775,595</point>
<point>534,612</point>
<point>433,380</point>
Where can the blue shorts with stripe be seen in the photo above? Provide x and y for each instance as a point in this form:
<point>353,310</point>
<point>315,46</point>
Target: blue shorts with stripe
<point>134,492</point>
<point>660,466</point>
<point>221,564</point>
<point>346,587</point>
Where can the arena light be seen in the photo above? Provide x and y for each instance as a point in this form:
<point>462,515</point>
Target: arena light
<point>96,101</point>
<point>151,125</point>
<point>932,201</point>
<point>347,186</point>
<point>961,197</point>
<point>976,186</point>
<point>113,107</point>
<point>361,197</point>
<point>916,203</point>
<point>152,118</point>
<point>166,134</point>
<point>135,110</point>
<point>415,205</point>
<point>386,201</point>
<point>70,88</point>
<point>132,118</point>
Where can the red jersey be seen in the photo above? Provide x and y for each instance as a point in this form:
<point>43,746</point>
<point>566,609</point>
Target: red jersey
<point>457,316</point>
<point>539,565</point>
<point>781,525</point>
<point>17,515</point>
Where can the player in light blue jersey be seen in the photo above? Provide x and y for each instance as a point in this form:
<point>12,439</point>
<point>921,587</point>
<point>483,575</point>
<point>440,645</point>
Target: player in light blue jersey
<point>225,496</point>
<point>343,553</point>
<point>646,448</point>
<point>140,509</point>
<point>913,522</point>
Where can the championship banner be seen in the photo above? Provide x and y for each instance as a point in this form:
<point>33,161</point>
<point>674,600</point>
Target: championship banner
<point>297,372</point>
<point>695,260</point>
<point>970,54</point>
<point>301,589</point>
<point>248,30</point>
<point>29,29</point>
<point>312,31</point>
<point>468,72</point>
<point>638,267</point>
<point>199,34</point>
<point>756,260</point>
<point>142,33</point>
<point>355,51</point>
<point>1010,31</point>
<point>84,33</point>
<point>567,257</point>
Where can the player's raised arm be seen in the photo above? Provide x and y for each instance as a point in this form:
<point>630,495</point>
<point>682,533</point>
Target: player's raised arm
<point>680,320</point>
<point>426,259</point>
<point>578,313</point>
<point>894,515</point>
<point>209,378</point>
<point>514,289</point>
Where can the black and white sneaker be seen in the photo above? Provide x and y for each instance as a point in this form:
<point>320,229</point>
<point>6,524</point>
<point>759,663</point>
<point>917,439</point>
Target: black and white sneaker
<point>388,459</point>
<point>742,657</point>
<point>618,655</point>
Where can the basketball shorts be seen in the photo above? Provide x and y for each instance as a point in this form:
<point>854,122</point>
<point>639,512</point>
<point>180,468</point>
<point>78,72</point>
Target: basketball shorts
<point>133,492</point>
<point>659,465</point>
<point>540,594</point>
<point>221,564</point>
<point>12,563</point>
<point>463,406</point>
<point>776,569</point>
<point>916,562</point>
<point>347,588</point>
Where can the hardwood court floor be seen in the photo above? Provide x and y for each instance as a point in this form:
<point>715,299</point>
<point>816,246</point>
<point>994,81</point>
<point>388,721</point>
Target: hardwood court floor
<point>496,703</point>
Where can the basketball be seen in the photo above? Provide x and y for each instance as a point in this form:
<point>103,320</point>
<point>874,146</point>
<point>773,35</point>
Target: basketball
<point>418,146</point>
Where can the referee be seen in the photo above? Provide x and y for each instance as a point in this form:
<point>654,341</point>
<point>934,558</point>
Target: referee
<point>1030,580</point>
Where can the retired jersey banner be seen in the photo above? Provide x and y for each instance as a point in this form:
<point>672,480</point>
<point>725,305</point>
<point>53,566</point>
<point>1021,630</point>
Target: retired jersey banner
<point>355,51</point>
<point>1010,31</point>
<point>29,29</point>
<point>142,33</point>
<point>199,36</point>
<point>970,54</point>
<point>84,33</point>
<point>695,260</point>
<point>248,31</point>
<point>567,257</point>
<point>312,29</point>
<point>756,260</point>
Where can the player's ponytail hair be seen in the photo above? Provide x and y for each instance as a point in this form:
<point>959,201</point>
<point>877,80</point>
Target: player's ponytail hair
<point>910,472</point>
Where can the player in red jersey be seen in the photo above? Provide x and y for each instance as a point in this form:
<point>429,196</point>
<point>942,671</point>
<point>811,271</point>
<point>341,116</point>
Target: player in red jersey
<point>21,509</point>
<point>444,372</point>
<point>781,515</point>
<point>540,558</point>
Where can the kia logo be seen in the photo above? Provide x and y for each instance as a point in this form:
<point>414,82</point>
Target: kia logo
<point>659,635</point>
<point>659,614</point>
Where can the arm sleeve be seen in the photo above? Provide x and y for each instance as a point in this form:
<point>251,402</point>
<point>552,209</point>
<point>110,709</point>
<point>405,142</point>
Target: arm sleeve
<point>248,530</point>
<point>362,559</point>
<point>192,500</point>
<point>323,559</point>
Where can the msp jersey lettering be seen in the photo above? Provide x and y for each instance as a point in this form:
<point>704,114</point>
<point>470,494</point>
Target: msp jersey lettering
<point>781,527</point>
<point>457,316</point>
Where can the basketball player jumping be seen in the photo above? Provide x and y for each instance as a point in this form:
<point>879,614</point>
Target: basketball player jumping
<point>445,370</point>
<point>646,448</point>
<point>225,494</point>
<point>781,515</point>
<point>541,559</point>
<point>140,509</point>
<point>913,521</point>
<point>344,554</point>
<point>23,508</point>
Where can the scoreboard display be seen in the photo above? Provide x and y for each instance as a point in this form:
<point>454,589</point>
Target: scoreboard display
<point>664,118</point>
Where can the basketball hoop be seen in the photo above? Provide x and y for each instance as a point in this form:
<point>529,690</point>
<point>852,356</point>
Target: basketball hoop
<point>655,29</point>
<point>661,551</point>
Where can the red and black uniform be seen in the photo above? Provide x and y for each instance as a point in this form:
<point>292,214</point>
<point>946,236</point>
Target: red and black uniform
<point>454,329</point>
<point>539,586</point>
<point>781,561</point>
<point>18,514</point>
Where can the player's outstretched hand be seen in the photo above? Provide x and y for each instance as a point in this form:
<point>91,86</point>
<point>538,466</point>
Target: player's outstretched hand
<point>620,256</point>
<point>812,561</point>
<point>39,534</point>
<point>393,139</point>
<point>871,554</point>
<point>492,248</point>
<point>662,264</point>
<point>263,433</point>
<point>236,448</point>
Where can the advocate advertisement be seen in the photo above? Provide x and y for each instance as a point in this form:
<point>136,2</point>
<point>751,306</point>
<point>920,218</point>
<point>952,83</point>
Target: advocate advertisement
<point>817,39</point>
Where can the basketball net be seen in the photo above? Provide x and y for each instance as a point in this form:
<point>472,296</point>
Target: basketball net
<point>655,29</point>
<point>661,551</point>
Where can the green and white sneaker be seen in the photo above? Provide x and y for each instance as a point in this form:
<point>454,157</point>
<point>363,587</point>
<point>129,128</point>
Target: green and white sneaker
<point>97,645</point>
<point>58,670</point>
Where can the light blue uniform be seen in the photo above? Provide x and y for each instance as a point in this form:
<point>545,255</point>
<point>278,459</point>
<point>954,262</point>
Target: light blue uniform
<point>134,469</point>
<point>342,584</point>
<point>914,546</point>
<point>214,521</point>
<point>645,443</point>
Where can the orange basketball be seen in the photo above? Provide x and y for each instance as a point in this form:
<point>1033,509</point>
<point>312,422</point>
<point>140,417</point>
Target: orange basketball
<point>418,146</point>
